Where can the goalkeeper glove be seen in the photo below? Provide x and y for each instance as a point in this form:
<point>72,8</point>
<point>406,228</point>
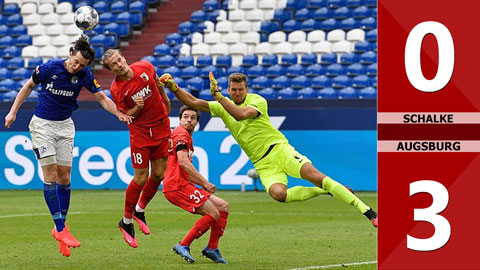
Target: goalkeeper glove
<point>214,87</point>
<point>167,80</point>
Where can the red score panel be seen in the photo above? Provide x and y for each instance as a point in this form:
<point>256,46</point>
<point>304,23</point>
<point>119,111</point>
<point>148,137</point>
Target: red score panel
<point>428,134</point>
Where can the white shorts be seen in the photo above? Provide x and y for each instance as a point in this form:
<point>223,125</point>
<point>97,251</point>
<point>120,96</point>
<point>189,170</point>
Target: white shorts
<point>52,141</point>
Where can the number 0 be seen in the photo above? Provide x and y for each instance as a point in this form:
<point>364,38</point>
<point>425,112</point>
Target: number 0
<point>441,224</point>
<point>446,56</point>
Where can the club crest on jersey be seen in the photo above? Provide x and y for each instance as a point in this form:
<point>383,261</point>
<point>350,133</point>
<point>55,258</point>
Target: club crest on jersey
<point>74,80</point>
<point>144,77</point>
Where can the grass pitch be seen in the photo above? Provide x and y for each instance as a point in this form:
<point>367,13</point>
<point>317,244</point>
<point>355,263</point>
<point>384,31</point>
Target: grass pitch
<point>261,233</point>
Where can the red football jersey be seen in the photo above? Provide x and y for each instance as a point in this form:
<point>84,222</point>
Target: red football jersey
<point>142,84</point>
<point>175,176</point>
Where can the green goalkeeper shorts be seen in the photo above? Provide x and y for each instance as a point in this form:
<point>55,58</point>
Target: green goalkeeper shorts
<point>283,160</point>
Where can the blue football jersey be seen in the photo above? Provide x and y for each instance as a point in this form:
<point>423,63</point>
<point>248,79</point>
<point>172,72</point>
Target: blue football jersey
<point>60,89</point>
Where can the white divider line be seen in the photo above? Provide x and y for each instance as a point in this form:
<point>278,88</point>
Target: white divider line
<point>333,265</point>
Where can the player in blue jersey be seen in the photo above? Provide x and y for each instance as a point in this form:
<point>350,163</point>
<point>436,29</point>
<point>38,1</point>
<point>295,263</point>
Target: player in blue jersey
<point>52,129</point>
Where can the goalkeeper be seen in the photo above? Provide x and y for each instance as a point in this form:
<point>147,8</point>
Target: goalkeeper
<point>246,116</point>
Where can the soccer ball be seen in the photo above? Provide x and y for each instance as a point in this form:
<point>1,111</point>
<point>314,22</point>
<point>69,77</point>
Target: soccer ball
<point>86,18</point>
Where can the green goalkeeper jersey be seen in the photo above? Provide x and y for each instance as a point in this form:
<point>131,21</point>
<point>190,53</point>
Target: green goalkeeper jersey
<point>253,135</point>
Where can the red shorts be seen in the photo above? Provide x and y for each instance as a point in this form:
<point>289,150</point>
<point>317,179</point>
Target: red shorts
<point>148,144</point>
<point>188,198</point>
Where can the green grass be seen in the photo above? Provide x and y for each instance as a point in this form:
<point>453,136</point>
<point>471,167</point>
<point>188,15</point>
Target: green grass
<point>261,233</point>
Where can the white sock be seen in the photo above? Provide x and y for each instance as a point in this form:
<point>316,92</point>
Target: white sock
<point>127,220</point>
<point>139,209</point>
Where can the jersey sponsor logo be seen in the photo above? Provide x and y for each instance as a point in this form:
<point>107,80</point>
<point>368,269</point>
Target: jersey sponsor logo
<point>59,92</point>
<point>96,83</point>
<point>145,93</point>
<point>144,77</point>
<point>74,80</point>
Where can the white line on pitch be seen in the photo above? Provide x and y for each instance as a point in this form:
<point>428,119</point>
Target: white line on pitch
<point>332,265</point>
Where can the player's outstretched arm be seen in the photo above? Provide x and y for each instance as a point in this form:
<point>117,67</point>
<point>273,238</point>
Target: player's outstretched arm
<point>21,96</point>
<point>109,106</point>
<point>193,174</point>
<point>163,93</point>
<point>185,97</point>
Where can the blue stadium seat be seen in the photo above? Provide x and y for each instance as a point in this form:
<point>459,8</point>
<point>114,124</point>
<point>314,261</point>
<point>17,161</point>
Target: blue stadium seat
<point>348,58</point>
<point>23,40</point>
<point>329,24</point>
<point>198,16</point>
<point>111,41</point>
<point>275,71</point>
<point>309,59</point>
<point>361,81</point>
<point>287,93</point>
<point>373,45</point>
<point>315,4</point>
<point>236,69</point>
<point>118,7</point>
<point>371,35</point>
<point>334,70</point>
<point>355,70</point>
<point>205,71</point>
<point>255,71</point>
<point>269,60</point>
<point>7,85</point>
<point>204,60</point>
<point>300,82</point>
<point>3,62</point>
<point>186,28</point>
<point>4,30</point>
<point>295,70</point>
<point>342,13</point>
<point>165,61</point>
<point>224,61</point>
<point>250,60</point>
<point>174,39</point>
<point>161,50</point>
<point>322,14</point>
<point>123,17</point>
<point>268,93</point>
<point>260,82</point>
<point>152,59</point>
<point>187,38</point>
<point>292,4</point>
<point>210,5</point>
<point>268,27</point>
<point>11,52</point>
<point>362,46</point>
<point>314,70</point>
<point>373,12</point>
<point>280,82</point>
<point>175,51</point>
<point>282,15</point>
<point>368,57</point>
<point>308,25</point>
<point>205,95</point>
<point>367,92</point>
<point>349,24</point>
<point>8,96</point>
<point>212,16</point>
<point>328,58</point>
<point>371,3</point>
<point>347,93</point>
<point>289,59</point>
<point>321,81</point>
<point>335,3</point>
<point>34,96</point>
<point>14,20</point>
<point>138,6</point>
<point>10,9</point>
<point>195,84</point>
<point>6,42</point>
<point>112,28</point>
<point>374,81</point>
<point>361,12</point>
<point>341,81</point>
<point>34,62</point>
<point>222,82</point>
<point>21,74</point>
<point>98,52</point>
<point>124,30</point>
<point>290,26</point>
<point>106,18</point>
<point>372,69</point>
<point>181,82</point>
<point>98,40</point>
<point>303,14</point>
<point>368,23</point>
<point>354,3</point>
<point>327,93</point>
<point>307,93</point>
<point>184,61</point>
<point>100,7</point>
<point>174,71</point>
<point>5,73</point>
<point>19,30</point>
<point>226,94</point>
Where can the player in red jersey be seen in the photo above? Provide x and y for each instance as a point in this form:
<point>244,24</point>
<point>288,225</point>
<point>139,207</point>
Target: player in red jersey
<point>138,92</point>
<point>179,188</point>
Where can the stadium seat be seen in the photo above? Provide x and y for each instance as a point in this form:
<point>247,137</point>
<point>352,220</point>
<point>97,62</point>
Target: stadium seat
<point>335,70</point>
<point>295,70</point>
<point>5,73</point>
<point>174,71</point>
<point>14,20</point>
<point>316,36</point>
<point>224,61</point>
<point>362,46</point>
<point>260,83</point>
<point>322,47</point>
<point>368,23</point>
<point>347,93</point>
<point>7,85</point>
<point>282,15</point>
<point>341,81</point>
<point>251,38</point>
<point>263,49</point>
<point>356,35</point>
<point>371,35</point>
<point>236,15</point>
<point>45,8</point>
<point>321,81</point>
<point>268,27</point>
<point>11,52</point>
<point>348,58</point>
<point>28,8</point>
<point>200,49</point>
<point>314,70</point>
<point>361,12</point>
<point>275,71</point>
<point>222,82</point>
<point>161,50</point>
<point>289,59</point>
<point>255,71</point>
<point>198,16</point>
<point>308,59</point>
<point>300,82</point>
<point>118,7</point>
<point>223,27</point>
<point>354,3</point>
<point>165,61</point>
<point>371,3</point>
<point>173,39</point>
<point>249,60</point>
<point>8,96</point>
<point>268,93</point>
<point>204,60</point>
<point>217,72</point>
<point>195,84</point>
<point>361,81</point>
<point>212,38</point>
<point>333,4</point>
<point>327,93</point>
<point>306,93</point>
<point>231,38</point>
<point>241,27</point>
<point>248,4</point>
<point>269,60</point>
<point>322,14</point>
<point>302,48</point>
<point>336,35</point>
<point>190,72</point>
<point>297,36</point>
<point>341,13</point>
<point>29,52</point>
<point>290,26</point>
<point>355,70</point>
<point>6,42</point>
<point>100,7</point>
<point>287,93</point>
<point>18,30</point>
<point>10,9</point>
<point>280,82</point>
<point>372,69</point>
<point>138,6</point>
<point>238,69</point>
<point>342,46</point>
<point>21,74</point>
<point>349,24</point>
<point>303,14</point>
<point>308,25</point>
<point>277,37</point>
<point>368,92</point>
<point>328,58</point>
<point>368,57</point>
<point>329,24</point>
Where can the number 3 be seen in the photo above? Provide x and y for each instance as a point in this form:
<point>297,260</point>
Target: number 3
<point>441,224</point>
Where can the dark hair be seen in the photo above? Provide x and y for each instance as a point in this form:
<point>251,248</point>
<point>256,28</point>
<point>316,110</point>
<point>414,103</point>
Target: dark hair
<point>107,54</point>
<point>237,77</point>
<point>188,108</point>
<point>82,45</point>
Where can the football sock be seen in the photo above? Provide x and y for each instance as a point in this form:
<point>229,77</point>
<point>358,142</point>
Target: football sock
<point>199,228</point>
<point>50,195</point>
<point>63,193</point>
<point>149,191</point>
<point>217,230</point>
<point>343,194</point>
<point>127,220</point>
<point>299,193</point>
<point>131,198</point>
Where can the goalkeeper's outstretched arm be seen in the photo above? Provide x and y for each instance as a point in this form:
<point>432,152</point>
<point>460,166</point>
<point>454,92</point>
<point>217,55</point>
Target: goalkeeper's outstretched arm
<point>182,95</point>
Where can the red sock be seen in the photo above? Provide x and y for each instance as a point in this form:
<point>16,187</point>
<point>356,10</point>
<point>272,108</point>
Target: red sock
<point>217,230</point>
<point>199,228</point>
<point>131,198</point>
<point>149,191</point>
